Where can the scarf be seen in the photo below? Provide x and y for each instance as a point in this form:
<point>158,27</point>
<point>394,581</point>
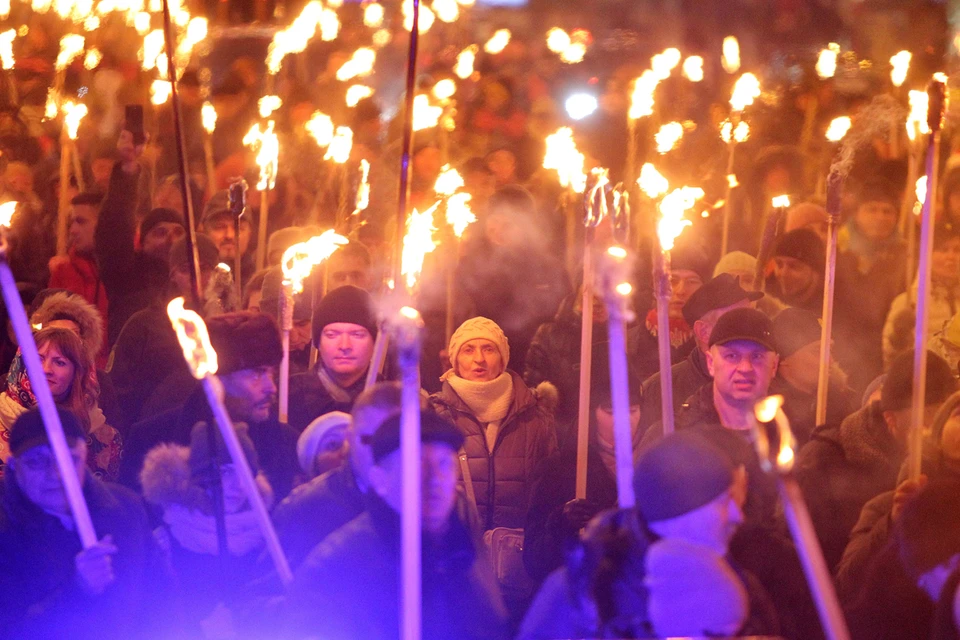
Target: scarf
<point>338,393</point>
<point>867,250</point>
<point>197,531</point>
<point>488,401</point>
<point>680,331</point>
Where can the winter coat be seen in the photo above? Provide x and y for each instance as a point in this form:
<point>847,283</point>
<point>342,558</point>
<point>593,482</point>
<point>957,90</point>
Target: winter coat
<point>275,443</point>
<point>503,478</point>
<point>316,509</point>
<point>347,588</point>
<point>841,468</point>
<point>546,536</point>
<point>79,274</point>
<point>646,355</point>
<point>801,408</point>
<point>202,579</point>
<point>867,539</point>
<point>688,376</point>
<point>898,329</point>
<point>148,337</point>
<point>309,399</point>
<point>132,278</point>
<point>41,598</point>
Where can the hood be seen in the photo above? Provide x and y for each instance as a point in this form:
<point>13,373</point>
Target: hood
<point>86,316</point>
<point>865,439</point>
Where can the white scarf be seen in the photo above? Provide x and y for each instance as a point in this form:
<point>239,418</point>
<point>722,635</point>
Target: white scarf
<point>489,401</point>
<point>197,531</point>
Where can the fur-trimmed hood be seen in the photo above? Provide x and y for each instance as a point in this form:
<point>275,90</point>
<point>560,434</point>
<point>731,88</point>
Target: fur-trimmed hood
<point>166,480</point>
<point>67,305</point>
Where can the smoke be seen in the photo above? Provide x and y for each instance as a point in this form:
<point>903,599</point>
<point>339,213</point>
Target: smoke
<point>873,121</point>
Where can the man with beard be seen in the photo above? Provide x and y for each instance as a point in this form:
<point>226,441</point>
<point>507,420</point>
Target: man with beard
<point>218,223</point>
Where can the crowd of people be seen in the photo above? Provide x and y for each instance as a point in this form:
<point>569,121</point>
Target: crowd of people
<point>509,549</point>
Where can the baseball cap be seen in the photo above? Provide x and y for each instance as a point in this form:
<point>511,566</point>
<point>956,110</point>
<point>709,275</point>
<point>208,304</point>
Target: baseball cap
<point>743,324</point>
<point>722,291</point>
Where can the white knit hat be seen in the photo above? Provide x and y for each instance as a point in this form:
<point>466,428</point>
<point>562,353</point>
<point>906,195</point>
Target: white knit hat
<point>735,261</point>
<point>309,441</point>
<point>474,328</point>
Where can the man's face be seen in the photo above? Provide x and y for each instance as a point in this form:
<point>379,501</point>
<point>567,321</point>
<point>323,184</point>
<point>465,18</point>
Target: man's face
<point>83,224</point>
<point>503,165</point>
<point>101,169</point>
<point>945,262</point>
<point>683,283</point>
<point>802,367</point>
<point>251,393</point>
<point>741,370</point>
<point>345,349</point>
<point>223,234</point>
<point>711,525</point>
<point>603,415</point>
<point>479,360</point>
<point>349,270</point>
<point>438,474</point>
<point>180,277</point>
<point>876,219</point>
<point>797,280</point>
<point>160,238</point>
<point>39,477</point>
<point>898,422</point>
<point>301,334</point>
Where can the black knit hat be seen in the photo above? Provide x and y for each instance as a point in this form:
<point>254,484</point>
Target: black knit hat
<point>794,329</point>
<point>743,324</point>
<point>200,453</point>
<point>245,340</point>
<point>155,217</point>
<point>897,392</point>
<point>433,428</point>
<point>690,257</point>
<point>28,431</point>
<point>928,532</point>
<point>206,250</point>
<point>347,304</point>
<point>681,473</point>
<point>803,245</point>
<point>722,291</point>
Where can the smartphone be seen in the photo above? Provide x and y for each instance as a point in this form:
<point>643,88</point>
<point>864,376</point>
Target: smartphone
<point>134,123</point>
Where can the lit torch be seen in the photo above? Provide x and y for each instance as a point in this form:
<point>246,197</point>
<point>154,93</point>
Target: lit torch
<point>745,91</point>
<point>899,66</point>
<point>208,117</point>
<point>465,60</point>
<point>320,127</point>
<point>730,58</point>
<point>267,146</point>
<point>6,48</point>
<point>497,42</point>
<point>668,136</point>
<point>827,61</point>
<point>838,128</point>
<point>417,243</point>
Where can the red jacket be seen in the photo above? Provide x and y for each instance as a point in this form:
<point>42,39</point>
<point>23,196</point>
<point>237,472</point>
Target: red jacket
<point>79,274</point>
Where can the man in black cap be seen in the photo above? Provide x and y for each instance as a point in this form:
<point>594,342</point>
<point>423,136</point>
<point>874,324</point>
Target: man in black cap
<point>133,277</point>
<point>797,336</point>
<point>344,329</point>
<point>248,352</point>
<point>147,351</point>
<point>52,587</point>
<point>845,465</point>
<point>702,311</point>
<point>798,270</point>
<point>218,222</point>
<point>348,586</point>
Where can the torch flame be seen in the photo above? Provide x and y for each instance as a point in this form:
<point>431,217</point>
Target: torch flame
<point>417,243</point>
<point>446,10</point>
<point>641,101</point>
<point>917,119</point>
<point>668,136</point>
<point>738,134</point>
<point>267,146</point>
<point>672,207</point>
<point>72,115</point>
<point>6,48</point>
<point>827,61</point>
<point>196,32</point>
<point>574,53</point>
<point>497,42</point>
<point>160,91</point>
<point>193,338</point>
<point>360,64</point>
<point>424,21</point>
<point>838,128</point>
<point>665,62</point>
<point>459,214</point>
<point>731,54</point>
<point>363,191</point>
<point>356,93</point>
<point>340,145</point>
<point>448,182</point>
<point>373,15</point>
<point>268,104</point>
<point>92,59</point>
<point>652,182</point>
<point>780,202</point>
<point>746,89</point>
<point>425,115</point>
<point>300,259</point>
<point>557,40</point>
<point>7,209</point>
<point>320,126</point>
<point>766,409</point>
<point>71,46</point>
<point>921,189</point>
<point>444,89</point>
<point>294,39</point>
<point>900,65</point>
<point>208,114</point>
<point>732,181</point>
<point>152,48</point>
<point>563,157</point>
<point>693,68</point>
<point>465,59</point>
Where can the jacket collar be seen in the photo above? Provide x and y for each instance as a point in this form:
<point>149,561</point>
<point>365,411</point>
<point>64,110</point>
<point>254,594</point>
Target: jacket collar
<point>523,399</point>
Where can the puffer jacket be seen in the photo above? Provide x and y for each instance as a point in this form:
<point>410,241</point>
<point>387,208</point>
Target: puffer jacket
<point>502,479</point>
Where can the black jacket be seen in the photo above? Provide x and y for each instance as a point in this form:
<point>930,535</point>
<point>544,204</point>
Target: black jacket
<point>310,400</point>
<point>348,586</point>
<point>41,598</point>
<point>132,278</point>
<point>688,376</point>
<point>276,443</point>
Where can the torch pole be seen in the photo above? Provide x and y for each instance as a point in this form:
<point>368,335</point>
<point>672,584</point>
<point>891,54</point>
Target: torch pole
<point>379,355</point>
<point>262,233</point>
<point>211,168</point>
<point>937,100</point>
<point>77,169</point>
<point>664,291</point>
<point>586,360</point>
<point>286,302</point>
<point>45,402</point>
<point>63,202</point>
<point>451,288</point>
<point>727,204</point>
<point>834,187</point>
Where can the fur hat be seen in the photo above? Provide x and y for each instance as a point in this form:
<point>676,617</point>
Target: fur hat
<point>64,305</point>
<point>474,328</point>
<point>245,340</point>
